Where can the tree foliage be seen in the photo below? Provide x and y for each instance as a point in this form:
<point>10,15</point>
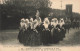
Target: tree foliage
<point>28,7</point>
<point>13,10</point>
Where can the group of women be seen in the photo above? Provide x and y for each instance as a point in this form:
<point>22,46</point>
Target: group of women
<point>38,32</point>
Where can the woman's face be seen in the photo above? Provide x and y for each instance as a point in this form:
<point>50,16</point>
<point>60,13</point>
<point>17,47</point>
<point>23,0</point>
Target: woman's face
<point>26,21</point>
<point>46,22</point>
<point>22,21</point>
<point>35,23</point>
<point>61,20</point>
<point>30,20</point>
<point>55,21</point>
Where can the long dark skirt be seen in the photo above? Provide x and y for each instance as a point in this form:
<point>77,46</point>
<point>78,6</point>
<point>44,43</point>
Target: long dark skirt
<point>58,35</point>
<point>62,34</point>
<point>33,39</point>
<point>26,35</point>
<point>21,36</point>
<point>46,37</point>
<point>55,37</point>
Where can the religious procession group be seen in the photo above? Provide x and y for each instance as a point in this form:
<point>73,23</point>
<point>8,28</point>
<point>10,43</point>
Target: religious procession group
<point>37,32</point>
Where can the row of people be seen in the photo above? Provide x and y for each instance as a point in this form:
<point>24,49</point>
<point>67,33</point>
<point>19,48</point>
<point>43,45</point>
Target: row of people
<point>75,24</point>
<point>36,32</point>
<point>54,22</point>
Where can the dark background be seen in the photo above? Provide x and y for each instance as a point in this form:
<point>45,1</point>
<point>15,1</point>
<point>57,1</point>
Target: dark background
<point>11,11</point>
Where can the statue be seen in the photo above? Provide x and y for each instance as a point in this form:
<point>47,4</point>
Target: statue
<point>37,14</point>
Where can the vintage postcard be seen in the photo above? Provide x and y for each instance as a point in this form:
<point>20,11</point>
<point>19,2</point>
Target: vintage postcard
<point>39,25</point>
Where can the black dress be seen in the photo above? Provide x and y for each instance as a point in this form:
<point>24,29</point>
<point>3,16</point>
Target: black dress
<point>40,31</point>
<point>63,31</point>
<point>26,35</point>
<point>56,34</point>
<point>33,39</point>
<point>52,33</point>
<point>45,36</point>
<point>20,36</point>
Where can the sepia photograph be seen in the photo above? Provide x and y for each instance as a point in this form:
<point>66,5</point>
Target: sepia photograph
<point>39,23</point>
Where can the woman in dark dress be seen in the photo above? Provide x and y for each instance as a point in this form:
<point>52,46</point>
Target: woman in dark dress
<point>34,37</point>
<point>54,30</point>
<point>62,29</point>
<point>39,28</point>
<point>46,35</point>
<point>21,31</point>
<point>26,32</point>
